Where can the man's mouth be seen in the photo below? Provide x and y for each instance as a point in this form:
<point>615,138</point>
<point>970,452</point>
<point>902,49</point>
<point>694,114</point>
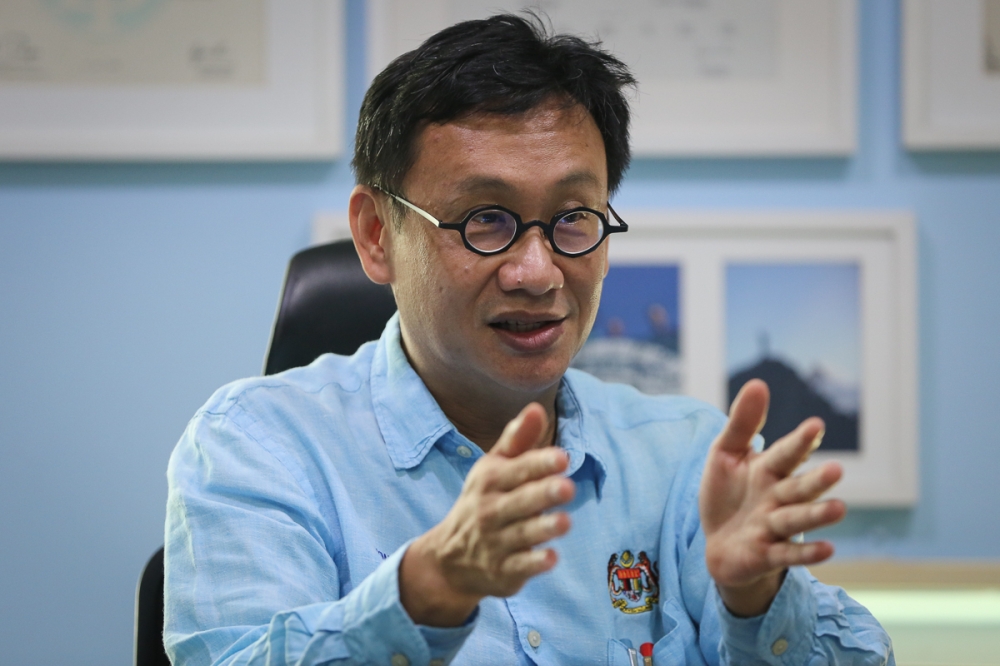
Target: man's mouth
<point>520,326</point>
<point>529,333</point>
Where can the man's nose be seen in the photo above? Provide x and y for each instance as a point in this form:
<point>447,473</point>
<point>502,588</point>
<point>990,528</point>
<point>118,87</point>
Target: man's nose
<point>529,265</point>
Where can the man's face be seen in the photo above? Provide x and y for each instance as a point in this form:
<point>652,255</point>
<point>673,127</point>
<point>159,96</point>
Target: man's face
<point>510,322</point>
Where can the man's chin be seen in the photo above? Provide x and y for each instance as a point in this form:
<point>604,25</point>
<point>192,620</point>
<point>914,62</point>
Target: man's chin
<point>532,376</point>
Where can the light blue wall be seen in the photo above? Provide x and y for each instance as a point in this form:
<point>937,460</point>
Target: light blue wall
<point>130,292</point>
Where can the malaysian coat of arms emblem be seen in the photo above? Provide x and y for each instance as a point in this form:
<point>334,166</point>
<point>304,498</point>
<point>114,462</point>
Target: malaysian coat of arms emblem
<point>633,583</point>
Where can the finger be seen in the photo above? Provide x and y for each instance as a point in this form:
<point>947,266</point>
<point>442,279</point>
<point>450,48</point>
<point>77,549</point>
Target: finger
<point>746,417</point>
<point>531,499</point>
<point>523,432</point>
<point>791,520</point>
<point>788,554</point>
<point>782,457</point>
<point>527,467</point>
<point>532,532</point>
<point>807,487</point>
<point>527,563</point>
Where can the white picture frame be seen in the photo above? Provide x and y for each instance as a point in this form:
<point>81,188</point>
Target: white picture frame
<point>951,95</point>
<point>805,105</point>
<point>296,111</point>
<point>883,472</point>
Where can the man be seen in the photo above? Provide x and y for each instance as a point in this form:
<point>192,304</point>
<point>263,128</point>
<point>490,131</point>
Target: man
<point>452,492</point>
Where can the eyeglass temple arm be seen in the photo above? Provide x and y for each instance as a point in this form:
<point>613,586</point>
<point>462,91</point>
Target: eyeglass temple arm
<point>430,218</point>
<point>624,226</point>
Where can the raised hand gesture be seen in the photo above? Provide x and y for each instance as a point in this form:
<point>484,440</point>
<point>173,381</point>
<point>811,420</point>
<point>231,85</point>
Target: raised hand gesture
<point>751,505</point>
<point>485,546</point>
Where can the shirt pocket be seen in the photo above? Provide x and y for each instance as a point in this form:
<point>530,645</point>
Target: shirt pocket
<point>618,649</point>
<point>618,653</point>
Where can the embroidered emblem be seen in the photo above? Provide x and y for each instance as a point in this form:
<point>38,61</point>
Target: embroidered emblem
<point>634,584</point>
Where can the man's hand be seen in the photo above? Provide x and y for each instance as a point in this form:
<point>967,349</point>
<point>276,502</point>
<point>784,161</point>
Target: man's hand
<point>485,545</point>
<point>751,505</point>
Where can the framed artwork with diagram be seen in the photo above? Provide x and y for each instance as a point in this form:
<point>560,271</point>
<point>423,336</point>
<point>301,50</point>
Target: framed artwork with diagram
<point>716,77</point>
<point>162,80</point>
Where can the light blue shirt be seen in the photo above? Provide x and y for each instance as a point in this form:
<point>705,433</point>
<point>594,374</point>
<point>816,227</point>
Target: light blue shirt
<point>293,498</point>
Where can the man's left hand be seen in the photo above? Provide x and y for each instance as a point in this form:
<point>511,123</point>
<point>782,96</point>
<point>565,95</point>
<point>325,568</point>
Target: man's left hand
<point>751,505</point>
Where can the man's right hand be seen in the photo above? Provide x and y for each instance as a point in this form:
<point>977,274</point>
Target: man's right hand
<point>485,546</point>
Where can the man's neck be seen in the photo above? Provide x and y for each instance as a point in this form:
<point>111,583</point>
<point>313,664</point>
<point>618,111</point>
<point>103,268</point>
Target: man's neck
<point>482,418</point>
<point>481,410</point>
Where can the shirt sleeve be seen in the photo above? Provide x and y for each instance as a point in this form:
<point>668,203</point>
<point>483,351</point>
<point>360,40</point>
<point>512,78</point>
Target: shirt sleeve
<point>807,623</point>
<point>256,570</point>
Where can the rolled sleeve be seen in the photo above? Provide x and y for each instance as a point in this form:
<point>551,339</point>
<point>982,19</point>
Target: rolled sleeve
<point>807,623</point>
<point>376,626</point>
<point>782,636</point>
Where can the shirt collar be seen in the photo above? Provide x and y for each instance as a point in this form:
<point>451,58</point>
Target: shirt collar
<point>411,422</point>
<point>574,436</point>
<point>409,418</point>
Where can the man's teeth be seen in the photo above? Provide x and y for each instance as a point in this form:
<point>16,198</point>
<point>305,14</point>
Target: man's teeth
<point>520,327</point>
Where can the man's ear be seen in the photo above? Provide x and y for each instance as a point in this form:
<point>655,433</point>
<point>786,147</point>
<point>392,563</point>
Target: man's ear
<point>370,231</point>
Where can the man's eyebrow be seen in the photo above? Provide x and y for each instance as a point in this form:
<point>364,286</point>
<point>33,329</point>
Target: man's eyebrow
<point>580,178</point>
<point>476,184</point>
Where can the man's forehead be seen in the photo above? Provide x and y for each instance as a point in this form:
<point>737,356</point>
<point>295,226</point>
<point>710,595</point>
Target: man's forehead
<point>552,111</point>
<point>481,145</point>
<point>475,183</point>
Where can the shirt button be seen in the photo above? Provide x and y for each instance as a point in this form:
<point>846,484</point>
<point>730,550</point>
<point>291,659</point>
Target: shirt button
<point>534,638</point>
<point>464,451</point>
<point>778,647</point>
<point>399,660</point>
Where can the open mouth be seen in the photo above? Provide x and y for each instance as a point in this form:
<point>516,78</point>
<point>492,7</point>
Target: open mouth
<point>521,326</point>
<point>526,333</point>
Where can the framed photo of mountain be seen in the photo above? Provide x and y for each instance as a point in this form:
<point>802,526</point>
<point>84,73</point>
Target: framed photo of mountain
<point>797,326</point>
<point>820,305</point>
<point>716,77</point>
<point>951,74</point>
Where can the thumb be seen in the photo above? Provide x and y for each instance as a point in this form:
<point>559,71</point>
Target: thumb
<point>523,432</point>
<point>746,417</point>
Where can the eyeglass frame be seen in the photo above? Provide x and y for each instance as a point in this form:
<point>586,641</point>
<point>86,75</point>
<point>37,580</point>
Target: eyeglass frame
<point>520,227</point>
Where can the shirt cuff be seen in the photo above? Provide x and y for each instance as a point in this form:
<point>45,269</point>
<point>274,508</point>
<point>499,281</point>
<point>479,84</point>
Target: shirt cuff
<point>782,636</point>
<point>377,628</point>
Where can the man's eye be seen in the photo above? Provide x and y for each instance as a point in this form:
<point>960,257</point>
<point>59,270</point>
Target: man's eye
<point>573,218</point>
<point>491,218</point>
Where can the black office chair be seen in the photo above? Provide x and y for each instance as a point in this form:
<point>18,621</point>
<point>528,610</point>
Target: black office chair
<point>328,304</point>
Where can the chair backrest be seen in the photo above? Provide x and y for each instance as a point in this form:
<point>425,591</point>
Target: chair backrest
<point>327,304</point>
<point>149,615</point>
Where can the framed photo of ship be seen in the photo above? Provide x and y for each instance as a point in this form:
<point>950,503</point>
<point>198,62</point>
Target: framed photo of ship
<point>820,305</point>
<point>159,80</point>
<point>716,77</point>
<point>951,74</point>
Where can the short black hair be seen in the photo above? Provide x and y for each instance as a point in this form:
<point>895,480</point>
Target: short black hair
<point>505,64</point>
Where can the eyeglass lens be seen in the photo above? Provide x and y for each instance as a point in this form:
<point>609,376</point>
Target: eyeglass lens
<point>492,229</point>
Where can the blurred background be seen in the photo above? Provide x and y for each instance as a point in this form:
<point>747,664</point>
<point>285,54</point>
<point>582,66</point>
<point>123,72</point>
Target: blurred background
<point>130,291</point>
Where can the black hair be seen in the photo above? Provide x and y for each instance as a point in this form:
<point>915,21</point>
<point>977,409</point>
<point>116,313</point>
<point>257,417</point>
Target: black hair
<point>504,64</point>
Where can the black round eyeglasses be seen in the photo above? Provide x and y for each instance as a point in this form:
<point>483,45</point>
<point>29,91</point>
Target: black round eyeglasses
<point>494,229</point>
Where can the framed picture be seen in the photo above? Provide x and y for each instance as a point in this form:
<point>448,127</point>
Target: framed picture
<point>161,79</point>
<point>951,74</point>
<point>716,77</point>
<point>822,306</point>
